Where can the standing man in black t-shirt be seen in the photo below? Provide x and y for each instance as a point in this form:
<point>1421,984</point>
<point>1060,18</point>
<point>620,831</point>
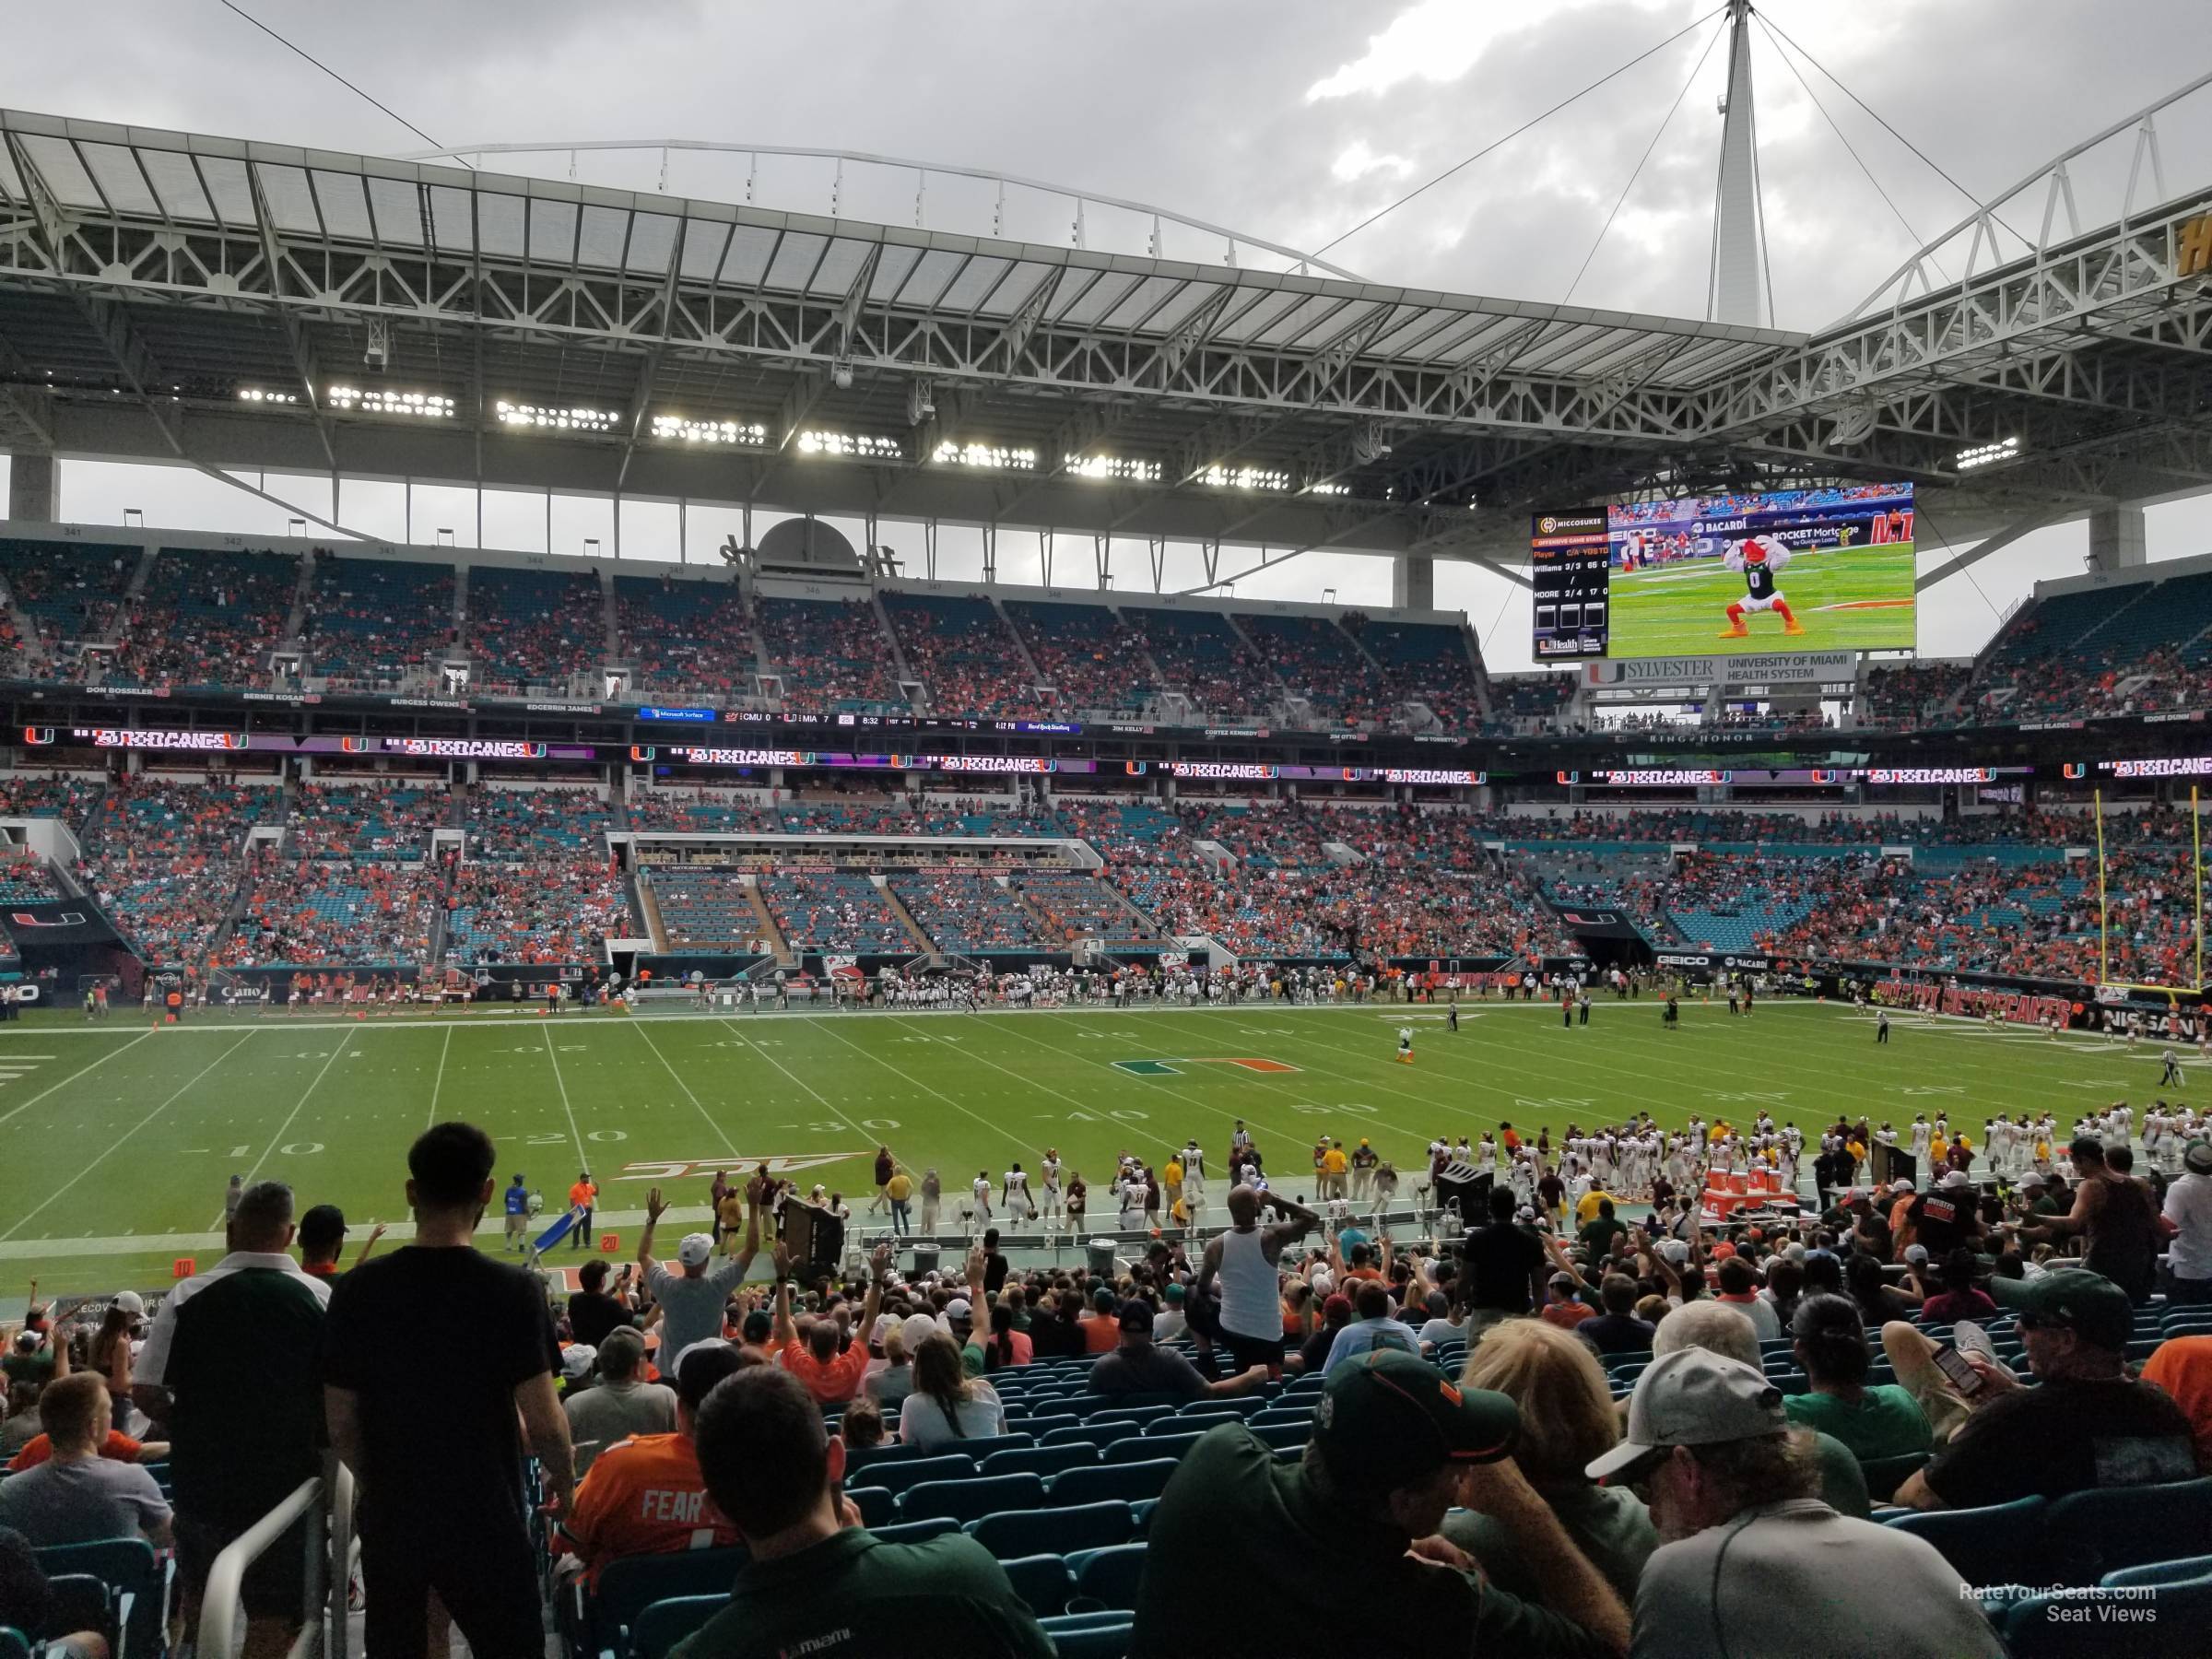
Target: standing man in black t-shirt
<point>1946,1215</point>
<point>1506,1268</point>
<point>431,1354</point>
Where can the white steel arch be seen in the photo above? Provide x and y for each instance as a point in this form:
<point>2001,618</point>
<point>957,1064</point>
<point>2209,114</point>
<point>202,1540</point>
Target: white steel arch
<point>1078,200</point>
<point>2059,217</point>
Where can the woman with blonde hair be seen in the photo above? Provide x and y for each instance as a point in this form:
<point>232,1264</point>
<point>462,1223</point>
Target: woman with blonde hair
<point>1567,1419</point>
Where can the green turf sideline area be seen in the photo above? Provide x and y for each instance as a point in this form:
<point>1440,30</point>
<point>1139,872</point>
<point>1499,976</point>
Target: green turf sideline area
<point>118,1139</point>
<point>1860,600</point>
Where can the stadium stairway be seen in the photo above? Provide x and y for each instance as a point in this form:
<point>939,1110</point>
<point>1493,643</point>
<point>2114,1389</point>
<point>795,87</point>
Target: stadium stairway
<point>777,943</point>
<point>647,910</point>
<point>610,620</point>
<point>294,637</point>
<point>928,946</point>
<point>1021,646</point>
<point>883,620</point>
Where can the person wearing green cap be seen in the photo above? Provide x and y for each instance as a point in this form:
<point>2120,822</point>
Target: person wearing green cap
<point>2088,1425</point>
<point>1341,1549</point>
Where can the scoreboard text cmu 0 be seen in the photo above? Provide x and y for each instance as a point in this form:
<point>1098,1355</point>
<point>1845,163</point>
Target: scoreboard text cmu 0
<point>1570,561</point>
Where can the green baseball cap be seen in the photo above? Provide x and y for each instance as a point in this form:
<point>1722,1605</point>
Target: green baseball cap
<point>1389,1418</point>
<point>2086,1303</point>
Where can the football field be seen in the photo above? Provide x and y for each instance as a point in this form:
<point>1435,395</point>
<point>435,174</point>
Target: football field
<point>1848,601</point>
<point>118,1139</point>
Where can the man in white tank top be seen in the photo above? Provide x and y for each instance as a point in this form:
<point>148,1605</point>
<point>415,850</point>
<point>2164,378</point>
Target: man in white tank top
<point>1244,1259</point>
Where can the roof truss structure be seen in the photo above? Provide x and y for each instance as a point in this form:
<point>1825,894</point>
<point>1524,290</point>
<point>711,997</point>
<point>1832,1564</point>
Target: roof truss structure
<point>151,280</point>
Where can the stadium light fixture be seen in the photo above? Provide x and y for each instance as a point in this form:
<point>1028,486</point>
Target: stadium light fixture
<point>255,394</point>
<point>374,400</point>
<point>1243,477</point>
<point>856,446</point>
<point>556,417</point>
<point>1118,469</point>
<point>1328,488</point>
<point>985,457</point>
<point>1988,454</point>
<point>681,428</point>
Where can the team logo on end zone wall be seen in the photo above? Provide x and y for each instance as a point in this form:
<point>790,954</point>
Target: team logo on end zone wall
<point>1135,769</point>
<point>2073,771</point>
<point>38,736</point>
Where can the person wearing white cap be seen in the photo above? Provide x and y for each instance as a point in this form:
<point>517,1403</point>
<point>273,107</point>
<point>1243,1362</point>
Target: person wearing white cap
<point>691,1300</point>
<point>1749,1565</point>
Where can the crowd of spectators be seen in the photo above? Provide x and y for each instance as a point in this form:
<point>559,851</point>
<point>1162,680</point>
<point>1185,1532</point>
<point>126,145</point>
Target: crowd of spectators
<point>511,826</point>
<point>69,799</point>
<point>530,628</point>
<point>830,655</point>
<point>308,914</point>
<point>371,624</point>
<point>1318,661</point>
<point>208,617</point>
<point>1912,696</point>
<point>365,820</point>
<point>1072,906</point>
<point>70,592</point>
<point>1087,654</point>
<point>964,656</point>
<point>966,912</point>
<point>163,857</point>
<point>700,812</point>
<point>1533,702</point>
<point>1201,654</point>
<point>1427,662</point>
<point>1640,1431</point>
<point>835,912</point>
<point>686,639</point>
<point>543,911</point>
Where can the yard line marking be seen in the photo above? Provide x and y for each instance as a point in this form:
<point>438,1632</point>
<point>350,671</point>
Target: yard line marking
<point>583,1159</point>
<point>101,1158</point>
<point>703,1113</point>
<point>274,1140</point>
<point>917,1083</point>
<point>74,1076</point>
<point>818,1094</point>
<point>438,1082</point>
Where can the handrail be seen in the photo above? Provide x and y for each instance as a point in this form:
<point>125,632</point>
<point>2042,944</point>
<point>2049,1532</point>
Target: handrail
<point>344,1546</point>
<point>220,1606</point>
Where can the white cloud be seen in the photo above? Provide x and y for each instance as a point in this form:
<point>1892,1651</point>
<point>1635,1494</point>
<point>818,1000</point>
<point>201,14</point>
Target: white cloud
<point>1358,159</point>
<point>1439,40</point>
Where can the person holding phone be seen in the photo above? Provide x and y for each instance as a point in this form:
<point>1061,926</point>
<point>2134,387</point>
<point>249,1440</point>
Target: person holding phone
<point>2089,1425</point>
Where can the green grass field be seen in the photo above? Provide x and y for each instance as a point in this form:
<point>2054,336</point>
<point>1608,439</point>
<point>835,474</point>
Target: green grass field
<point>120,1139</point>
<point>1679,610</point>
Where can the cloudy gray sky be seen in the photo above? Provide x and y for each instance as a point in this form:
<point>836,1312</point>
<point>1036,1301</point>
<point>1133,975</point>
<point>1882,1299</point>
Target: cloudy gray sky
<point>1288,118</point>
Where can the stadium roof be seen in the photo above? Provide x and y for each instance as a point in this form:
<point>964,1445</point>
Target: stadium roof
<point>225,303</point>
